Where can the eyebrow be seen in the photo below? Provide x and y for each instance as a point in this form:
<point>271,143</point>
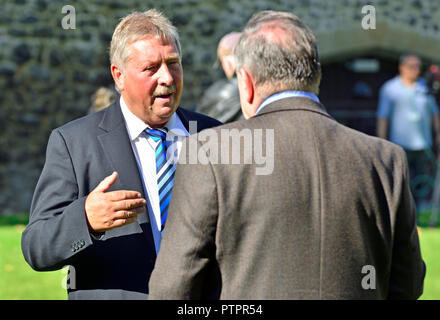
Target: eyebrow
<point>170,57</point>
<point>175,56</point>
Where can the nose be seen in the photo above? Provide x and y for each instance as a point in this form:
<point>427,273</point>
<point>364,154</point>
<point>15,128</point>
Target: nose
<point>165,76</point>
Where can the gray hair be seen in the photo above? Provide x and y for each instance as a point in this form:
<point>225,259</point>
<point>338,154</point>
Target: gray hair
<point>284,58</point>
<point>138,25</point>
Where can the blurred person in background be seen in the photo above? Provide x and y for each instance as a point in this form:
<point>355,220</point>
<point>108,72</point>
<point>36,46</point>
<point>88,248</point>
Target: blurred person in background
<point>432,77</point>
<point>407,114</point>
<point>221,100</point>
<point>102,98</point>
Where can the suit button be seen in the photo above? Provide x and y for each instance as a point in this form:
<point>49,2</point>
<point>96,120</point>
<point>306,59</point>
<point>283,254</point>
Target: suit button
<point>82,243</point>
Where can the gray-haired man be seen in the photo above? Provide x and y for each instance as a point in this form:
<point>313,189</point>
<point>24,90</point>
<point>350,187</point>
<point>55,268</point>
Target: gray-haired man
<point>334,220</point>
<point>101,202</point>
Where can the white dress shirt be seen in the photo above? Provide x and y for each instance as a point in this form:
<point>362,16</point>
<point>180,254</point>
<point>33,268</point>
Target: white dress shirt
<point>144,150</point>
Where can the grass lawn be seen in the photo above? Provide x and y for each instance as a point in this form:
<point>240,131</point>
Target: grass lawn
<point>429,243</point>
<point>18,281</point>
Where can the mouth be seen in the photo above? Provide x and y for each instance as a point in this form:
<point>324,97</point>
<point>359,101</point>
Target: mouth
<point>164,97</point>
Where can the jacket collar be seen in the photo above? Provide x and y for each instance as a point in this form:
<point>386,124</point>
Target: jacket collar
<point>112,117</point>
<point>294,104</point>
<point>183,118</point>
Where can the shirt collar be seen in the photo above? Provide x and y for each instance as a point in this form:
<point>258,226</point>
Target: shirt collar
<point>286,94</point>
<point>419,85</point>
<point>136,126</point>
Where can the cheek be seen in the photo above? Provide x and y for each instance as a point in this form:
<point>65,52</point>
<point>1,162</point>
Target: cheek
<point>178,76</point>
<point>178,80</point>
<point>142,85</point>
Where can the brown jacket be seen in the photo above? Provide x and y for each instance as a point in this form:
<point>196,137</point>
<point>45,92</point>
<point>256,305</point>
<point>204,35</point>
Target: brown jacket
<point>334,220</point>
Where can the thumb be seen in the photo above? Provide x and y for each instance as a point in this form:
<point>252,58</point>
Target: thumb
<point>106,183</point>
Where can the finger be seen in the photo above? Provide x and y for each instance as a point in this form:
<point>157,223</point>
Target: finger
<point>106,183</point>
<point>119,195</point>
<point>123,222</point>
<point>129,204</point>
<point>125,214</point>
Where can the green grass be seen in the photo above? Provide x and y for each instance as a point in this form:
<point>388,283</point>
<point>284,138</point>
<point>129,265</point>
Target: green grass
<point>429,244</point>
<point>425,219</point>
<point>19,282</point>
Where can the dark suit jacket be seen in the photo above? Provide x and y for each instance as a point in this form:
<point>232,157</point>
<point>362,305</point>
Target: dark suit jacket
<point>118,263</point>
<point>336,205</point>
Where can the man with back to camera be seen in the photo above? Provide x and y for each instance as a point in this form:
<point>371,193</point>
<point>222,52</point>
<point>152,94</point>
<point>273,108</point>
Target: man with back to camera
<point>334,219</point>
<point>101,202</point>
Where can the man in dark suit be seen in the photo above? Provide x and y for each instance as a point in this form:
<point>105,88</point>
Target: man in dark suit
<point>331,218</point>
<point>99,205</point>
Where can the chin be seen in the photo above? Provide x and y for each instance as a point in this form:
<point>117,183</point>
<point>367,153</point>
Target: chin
<point>166,112</point>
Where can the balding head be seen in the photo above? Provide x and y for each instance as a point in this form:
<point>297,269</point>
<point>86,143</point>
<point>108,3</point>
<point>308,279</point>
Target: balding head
<point>227,44</point>
<point>225,52</point>
<point>280,53</point>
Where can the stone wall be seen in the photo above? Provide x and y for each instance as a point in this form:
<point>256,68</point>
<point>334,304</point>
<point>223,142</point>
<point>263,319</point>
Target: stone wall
<point>48,74</point>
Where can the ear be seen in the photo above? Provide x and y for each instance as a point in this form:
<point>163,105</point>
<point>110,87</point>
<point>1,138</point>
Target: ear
<point>118,76</point>
<point>228,64</point>
<point>248,86</point>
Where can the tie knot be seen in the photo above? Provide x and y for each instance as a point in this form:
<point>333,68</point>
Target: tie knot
<point>157,134</point>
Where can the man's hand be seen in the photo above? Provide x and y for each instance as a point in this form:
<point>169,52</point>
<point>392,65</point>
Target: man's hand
<point>108,210</point>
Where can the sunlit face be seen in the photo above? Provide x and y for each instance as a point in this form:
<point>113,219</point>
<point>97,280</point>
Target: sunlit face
<point>151,82</point>
<point>410,69</point>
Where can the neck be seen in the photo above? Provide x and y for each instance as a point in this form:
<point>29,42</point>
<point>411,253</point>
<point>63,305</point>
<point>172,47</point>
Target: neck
<point>408,82</point>
<point>156,125</point>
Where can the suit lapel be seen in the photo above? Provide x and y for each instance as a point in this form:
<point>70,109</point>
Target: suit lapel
<point>201,122</point>
<point>117,147</point>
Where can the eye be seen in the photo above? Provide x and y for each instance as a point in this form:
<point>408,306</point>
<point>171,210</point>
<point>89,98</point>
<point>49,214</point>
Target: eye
<point>174,63</point>
<point>150,68</point>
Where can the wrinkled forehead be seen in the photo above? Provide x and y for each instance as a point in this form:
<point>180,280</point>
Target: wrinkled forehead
<point>151,47</point>
<point>162,39</point>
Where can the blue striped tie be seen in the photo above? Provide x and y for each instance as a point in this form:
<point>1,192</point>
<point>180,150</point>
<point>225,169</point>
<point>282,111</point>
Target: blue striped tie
<point>164,171</point>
